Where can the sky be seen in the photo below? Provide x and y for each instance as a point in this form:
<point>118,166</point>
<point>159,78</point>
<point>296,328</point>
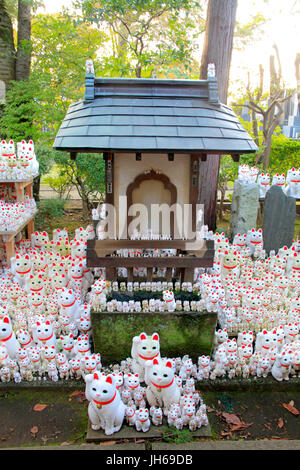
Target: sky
<point>282,28</point>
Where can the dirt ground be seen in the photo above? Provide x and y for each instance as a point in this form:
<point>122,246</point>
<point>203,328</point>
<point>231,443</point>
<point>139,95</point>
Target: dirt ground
<point>254,415</point>
<point>59,417</point>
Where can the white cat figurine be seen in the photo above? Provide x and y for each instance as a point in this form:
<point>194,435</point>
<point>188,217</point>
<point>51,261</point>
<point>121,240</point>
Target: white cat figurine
<point>144,348</point>
<point>106,409</point>
<point>162,388</point>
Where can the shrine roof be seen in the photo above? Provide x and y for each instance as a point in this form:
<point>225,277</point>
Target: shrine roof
<point>152,115</point>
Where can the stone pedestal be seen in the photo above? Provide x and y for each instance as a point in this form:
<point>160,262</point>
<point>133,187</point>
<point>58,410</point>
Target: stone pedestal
<point>244,208</point>
<point>279,219</point>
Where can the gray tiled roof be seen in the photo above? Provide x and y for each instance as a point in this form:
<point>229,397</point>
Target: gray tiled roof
<point>152,115</point>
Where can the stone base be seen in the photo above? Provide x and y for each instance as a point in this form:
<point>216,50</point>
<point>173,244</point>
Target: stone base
<point>130,433</point>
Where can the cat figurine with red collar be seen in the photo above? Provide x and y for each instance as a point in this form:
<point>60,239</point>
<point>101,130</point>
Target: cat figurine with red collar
<point>282,366</point>
<point>21,268</point>
<point>293,183</point>
<point>67,344</point>
<point>8,337</point>
<point>132,383</point>
<point>106,409</point>
<point>69,304</point>
<point>142,422</point>
<point>254,239</point>
<point>264,184</point>
<point>162,389</point>
<point>144,348</point>
<point>43,334</point>
<point>131,415</point>
<point>279,180</point>
<point>169,300</point>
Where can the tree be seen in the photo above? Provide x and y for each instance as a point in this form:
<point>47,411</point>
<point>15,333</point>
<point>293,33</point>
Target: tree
<point>147,35</point>
<point>7,47</point>
<point>23,57</point>
<point>58,66</point>
<point>86,173</point>
<point>268,106</point>
<point>217,49</point>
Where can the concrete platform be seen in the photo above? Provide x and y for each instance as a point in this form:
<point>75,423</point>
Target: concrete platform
<point>130,433</point>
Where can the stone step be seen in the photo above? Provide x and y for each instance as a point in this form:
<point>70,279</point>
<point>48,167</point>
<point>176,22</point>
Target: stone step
<point>130,433</point>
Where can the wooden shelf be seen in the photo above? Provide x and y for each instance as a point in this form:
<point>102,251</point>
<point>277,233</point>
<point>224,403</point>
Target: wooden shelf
<point>8,237</point>
<point>198,253</point>
<point>20,186</point>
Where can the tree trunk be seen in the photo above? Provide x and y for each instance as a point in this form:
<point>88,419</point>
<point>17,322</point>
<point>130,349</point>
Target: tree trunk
<point>24,43</point>
<point>217,49</point>
<point>7,50</point>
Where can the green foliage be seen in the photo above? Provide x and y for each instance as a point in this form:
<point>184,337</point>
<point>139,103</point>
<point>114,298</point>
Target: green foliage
<point>60,183</point>
<point>20,111</point>
<point>178,436</point>
<point>147,35</point>
<point>86,173</point>
<point>285,154</point>
<point>60,49</point>
<point>51,208</point>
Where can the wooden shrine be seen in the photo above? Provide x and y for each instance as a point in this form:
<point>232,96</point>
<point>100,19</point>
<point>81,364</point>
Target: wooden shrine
<point>153,135</point>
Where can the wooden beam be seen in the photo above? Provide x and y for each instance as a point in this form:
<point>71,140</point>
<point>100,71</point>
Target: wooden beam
<point>194,185</point>
<point>109,178</point>
<point>235,157</point>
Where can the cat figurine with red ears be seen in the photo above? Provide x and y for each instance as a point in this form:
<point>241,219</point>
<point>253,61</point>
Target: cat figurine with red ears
<point>69,304</point>
<point>8,337</point>
<point>144,348</point>
<point>106,409</point>
<point>162,387</point>
<point>142,422</point>
<point>43,334</point>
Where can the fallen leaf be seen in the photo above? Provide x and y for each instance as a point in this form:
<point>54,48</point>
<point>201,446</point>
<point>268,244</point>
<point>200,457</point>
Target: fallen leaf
<point>231,418</point>
<point>34,430</point>
<point>240,427</point>
<point>224,434</point>
<point>39,407</point>
<point>77,392</point>
<point>291,408</point>
<point>108,443</point>
<point>210,410</point>
<point>280,423</point>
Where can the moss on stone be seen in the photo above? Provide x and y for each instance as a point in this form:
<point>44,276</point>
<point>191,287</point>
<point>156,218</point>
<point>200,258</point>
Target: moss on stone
<point>180,333</point>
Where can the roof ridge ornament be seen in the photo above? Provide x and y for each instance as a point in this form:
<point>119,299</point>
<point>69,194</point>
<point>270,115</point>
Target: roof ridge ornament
<point>89,66</point>
<point>211,70</point>
<point>89,81</point>
<point>213,95</point>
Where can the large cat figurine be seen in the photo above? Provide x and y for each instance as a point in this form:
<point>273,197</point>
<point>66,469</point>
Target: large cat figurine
<point>144,348</point>
<point>106,409</point>
<point>162,387</point>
